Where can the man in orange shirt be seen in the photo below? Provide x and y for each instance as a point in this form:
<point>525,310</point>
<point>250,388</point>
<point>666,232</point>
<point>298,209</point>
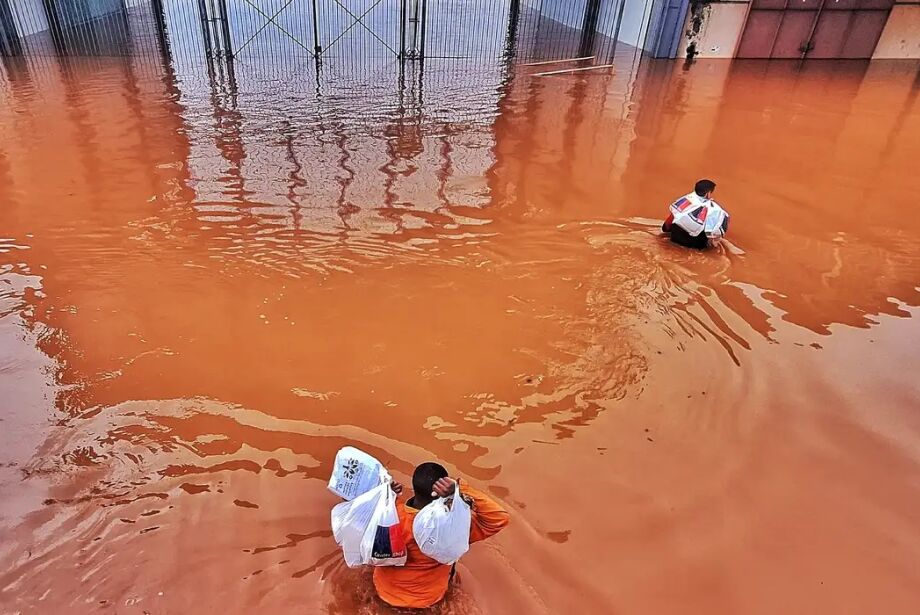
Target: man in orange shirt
<point>423,581</point>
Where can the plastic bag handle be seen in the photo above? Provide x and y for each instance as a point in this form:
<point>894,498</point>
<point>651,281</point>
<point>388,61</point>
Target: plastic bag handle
<point>451,496</point>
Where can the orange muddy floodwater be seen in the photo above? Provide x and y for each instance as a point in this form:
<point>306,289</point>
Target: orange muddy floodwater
<point>208,287</point>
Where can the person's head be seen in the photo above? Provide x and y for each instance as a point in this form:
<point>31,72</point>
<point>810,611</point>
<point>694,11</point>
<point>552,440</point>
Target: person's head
<point>424,478</point>
<point>705,188</point>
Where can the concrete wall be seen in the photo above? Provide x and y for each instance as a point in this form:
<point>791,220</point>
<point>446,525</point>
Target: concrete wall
<point>901,36</point>
<point>714,29</point>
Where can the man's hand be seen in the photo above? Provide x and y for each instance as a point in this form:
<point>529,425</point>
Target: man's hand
<point>444,487</point>
<point>397,487</point>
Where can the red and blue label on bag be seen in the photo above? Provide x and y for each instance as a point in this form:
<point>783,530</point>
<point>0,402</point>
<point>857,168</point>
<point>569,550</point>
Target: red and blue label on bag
<point>389,542</point>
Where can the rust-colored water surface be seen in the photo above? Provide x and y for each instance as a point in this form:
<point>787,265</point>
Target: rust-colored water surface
<point>208,286</point>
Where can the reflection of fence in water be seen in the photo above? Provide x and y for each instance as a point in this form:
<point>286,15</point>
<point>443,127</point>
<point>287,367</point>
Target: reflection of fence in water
<point>339,155</point>
<point>277,138</point>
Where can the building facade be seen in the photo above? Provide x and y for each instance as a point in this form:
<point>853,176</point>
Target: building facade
<point>794,29</point>
<point>515,30</point>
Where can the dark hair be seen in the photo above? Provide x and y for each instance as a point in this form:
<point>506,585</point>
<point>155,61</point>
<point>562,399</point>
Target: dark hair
<point>424,478</point>
<point>704,187</point>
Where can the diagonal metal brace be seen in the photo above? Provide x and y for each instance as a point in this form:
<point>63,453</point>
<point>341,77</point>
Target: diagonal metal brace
<point>271,20</point>
<point>358,20</point>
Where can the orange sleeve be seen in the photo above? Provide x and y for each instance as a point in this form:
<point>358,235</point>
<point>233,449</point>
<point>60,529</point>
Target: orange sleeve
<point>488,516</point>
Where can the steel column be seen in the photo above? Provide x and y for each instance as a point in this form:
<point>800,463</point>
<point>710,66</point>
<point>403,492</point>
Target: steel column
<point>159,18</point>
<point>317,48</point>
<point>514,18</point>
<point>402,28</point>
<point>589,27</point>
<point>424,28</point>
<point>205,28</point>
<point>225,28</point>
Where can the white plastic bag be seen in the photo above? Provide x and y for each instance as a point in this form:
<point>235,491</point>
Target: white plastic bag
<point>368,529</point>
<point>442,529</point>
<point>696,214</point>
<point>716,225</point>
<point>355,472</point>
<point>689,212</point>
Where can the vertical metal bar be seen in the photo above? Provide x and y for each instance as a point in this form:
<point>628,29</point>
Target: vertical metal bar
<point>616,31</point>
<point>402,28</point>
<point>205,30</point>
<point>413,23</point>
<point>317,48</point>
<point>421,50</point>
<point>217,31</point>
<point>326,17</point>
<point>589,27</point>
<point>606,30</point>
<point>159,18</point>
<point>514,12</point>
<point>214,29</point>
<point>225,28</point>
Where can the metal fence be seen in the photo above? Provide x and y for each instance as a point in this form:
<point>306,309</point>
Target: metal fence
<point>75,28</point>
<point>202,31</point>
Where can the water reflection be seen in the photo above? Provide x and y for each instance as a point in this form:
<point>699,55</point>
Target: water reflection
<point>214,281</point>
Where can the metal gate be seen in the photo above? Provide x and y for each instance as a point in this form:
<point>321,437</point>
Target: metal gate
<point>813,28</point>
<point>195,32</point>
<point>314,28</point>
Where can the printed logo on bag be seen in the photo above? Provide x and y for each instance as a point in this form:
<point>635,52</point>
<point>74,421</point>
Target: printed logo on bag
<point>699,214</point>
<point>388,542</point>
<point>350,468</point>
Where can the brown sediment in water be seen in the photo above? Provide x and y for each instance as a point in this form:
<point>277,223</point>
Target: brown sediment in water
<point>205,294</point>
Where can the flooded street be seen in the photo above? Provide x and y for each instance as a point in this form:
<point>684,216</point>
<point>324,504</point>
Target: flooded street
<point>210,285</point>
